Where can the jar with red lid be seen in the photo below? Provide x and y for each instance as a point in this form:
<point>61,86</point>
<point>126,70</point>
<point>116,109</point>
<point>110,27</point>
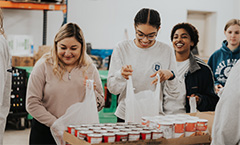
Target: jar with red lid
<point>86,125</point>
<point>110,124</point>
<point>94,138</point>
<point>108,137</point>
<point>71,129</point>
<point>106,127</point>
<point>113,131</point>
<point>145,134</point>
<point>100,131</point>
<point>156,134</point>
<point>83,134</point>
<point>118,127</point>
<point>94,128</point>
<point>98,125</point>
<point>125,130</point>
<point>133,136</point>
<point>121,136</point>
<point>79,129</point>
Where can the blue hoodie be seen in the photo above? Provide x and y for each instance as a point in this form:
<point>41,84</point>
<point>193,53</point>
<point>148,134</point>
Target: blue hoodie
<point>222,61</point>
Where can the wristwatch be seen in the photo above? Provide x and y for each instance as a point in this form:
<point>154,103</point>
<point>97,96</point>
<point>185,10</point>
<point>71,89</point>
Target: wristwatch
<point>172,76</point>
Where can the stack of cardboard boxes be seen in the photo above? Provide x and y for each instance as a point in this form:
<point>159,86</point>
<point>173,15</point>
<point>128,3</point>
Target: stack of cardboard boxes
<point>30,60</point>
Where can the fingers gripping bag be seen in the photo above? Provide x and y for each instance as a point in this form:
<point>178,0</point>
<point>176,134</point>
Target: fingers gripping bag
<point>144,103</point>
<point>78,113</point>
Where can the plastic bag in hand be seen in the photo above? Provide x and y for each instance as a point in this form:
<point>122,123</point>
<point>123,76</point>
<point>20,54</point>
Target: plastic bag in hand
<point>78,113</point>
<point>144,103</point>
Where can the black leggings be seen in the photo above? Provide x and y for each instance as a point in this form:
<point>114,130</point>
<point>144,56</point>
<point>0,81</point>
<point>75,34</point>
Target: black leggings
<point>40,134</point>
<point>120,120</point>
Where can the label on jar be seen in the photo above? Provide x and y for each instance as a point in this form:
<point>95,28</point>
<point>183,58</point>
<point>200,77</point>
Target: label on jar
<point>94,138</point>
<point>145,134</point>
<point>133,136</point>
<point>122,136</point>
<point>156,134</point>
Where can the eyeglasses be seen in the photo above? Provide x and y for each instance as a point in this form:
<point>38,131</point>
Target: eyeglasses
<point>150,37</point>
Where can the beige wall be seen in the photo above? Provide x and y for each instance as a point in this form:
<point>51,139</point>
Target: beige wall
<point>105,21</point>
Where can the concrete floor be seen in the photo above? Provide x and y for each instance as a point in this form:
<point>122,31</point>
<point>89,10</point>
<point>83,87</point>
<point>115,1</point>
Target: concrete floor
<point>16,137</point>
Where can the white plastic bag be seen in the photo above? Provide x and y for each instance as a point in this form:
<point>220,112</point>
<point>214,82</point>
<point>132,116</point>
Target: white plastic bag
<point>78,113</point>
<point>193,104</point>
<point>144,103</point>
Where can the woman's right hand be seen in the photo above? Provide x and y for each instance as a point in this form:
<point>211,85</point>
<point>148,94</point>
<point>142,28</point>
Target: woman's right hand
<point>126,71</point>
<point>218,87</point>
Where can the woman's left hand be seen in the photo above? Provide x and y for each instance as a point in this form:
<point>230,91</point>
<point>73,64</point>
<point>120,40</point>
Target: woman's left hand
<point>94,84</point>
<point>163,74</point>
<point>193,95</point>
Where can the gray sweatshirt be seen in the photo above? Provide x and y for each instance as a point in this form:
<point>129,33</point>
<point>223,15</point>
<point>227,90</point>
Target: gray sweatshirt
<point>145,62</point>
<point>226,126</point>
<point>5,86</point>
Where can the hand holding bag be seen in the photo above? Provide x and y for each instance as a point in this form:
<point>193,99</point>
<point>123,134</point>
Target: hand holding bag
<point>78,113</point>
<point>144,103</point>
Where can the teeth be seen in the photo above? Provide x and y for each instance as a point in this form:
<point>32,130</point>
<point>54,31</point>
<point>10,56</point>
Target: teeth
<point>144,43</point>
<point>179,44</point>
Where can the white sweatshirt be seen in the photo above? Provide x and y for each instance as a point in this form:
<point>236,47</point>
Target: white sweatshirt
<point>226,126</point>
<point>145,62</point>
<point>5,86</point>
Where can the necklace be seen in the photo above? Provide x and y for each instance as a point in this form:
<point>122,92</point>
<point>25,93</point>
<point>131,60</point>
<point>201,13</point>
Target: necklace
<point>69,76</point>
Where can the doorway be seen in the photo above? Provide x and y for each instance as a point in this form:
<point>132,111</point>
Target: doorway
<point>205,22</point>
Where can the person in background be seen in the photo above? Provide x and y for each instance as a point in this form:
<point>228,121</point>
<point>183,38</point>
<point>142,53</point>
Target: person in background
<point>143,58</point>
<point>194,75</point>
<point>57,82</point>
<point>5,79</point>
<point>226,126</point>
<point>223,59</point>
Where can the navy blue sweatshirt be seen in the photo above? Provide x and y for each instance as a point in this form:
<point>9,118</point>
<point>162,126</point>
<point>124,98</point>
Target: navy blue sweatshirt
<point>222,61</point>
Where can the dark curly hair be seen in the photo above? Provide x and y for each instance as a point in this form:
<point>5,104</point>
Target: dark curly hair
<point>192,31</point>
<point>148,16</point>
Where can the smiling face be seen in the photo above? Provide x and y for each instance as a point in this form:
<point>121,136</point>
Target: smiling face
<point>182,41</point>
<point>69,51</point>
<point>233,35</point>
<point>145,35</point>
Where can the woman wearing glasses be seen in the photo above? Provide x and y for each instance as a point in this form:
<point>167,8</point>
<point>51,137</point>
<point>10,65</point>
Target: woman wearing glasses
<point>142,58</point>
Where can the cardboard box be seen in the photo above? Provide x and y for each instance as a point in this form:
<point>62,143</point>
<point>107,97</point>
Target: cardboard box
<point>20,45</point>
<point>41,50</point>
<point>175,141</point>
<point>22,61</point>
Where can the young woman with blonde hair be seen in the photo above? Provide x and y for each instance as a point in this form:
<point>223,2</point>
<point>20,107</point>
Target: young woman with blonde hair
<point>222,60</point>
<point>58,81</point>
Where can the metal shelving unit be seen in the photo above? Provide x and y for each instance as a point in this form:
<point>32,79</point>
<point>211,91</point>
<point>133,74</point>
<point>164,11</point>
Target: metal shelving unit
<point>18,114</point>
<point>45,7</point>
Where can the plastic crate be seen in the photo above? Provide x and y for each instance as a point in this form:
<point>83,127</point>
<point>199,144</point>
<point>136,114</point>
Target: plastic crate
<point>27,68</point>
<point>107,117</point>
<point>112,108</point>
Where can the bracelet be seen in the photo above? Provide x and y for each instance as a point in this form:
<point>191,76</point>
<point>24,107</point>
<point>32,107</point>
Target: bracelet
<point>172,76</point>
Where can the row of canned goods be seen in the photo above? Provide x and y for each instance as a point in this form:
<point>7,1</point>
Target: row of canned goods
<point>176,126</point>
<point>113,132</point>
